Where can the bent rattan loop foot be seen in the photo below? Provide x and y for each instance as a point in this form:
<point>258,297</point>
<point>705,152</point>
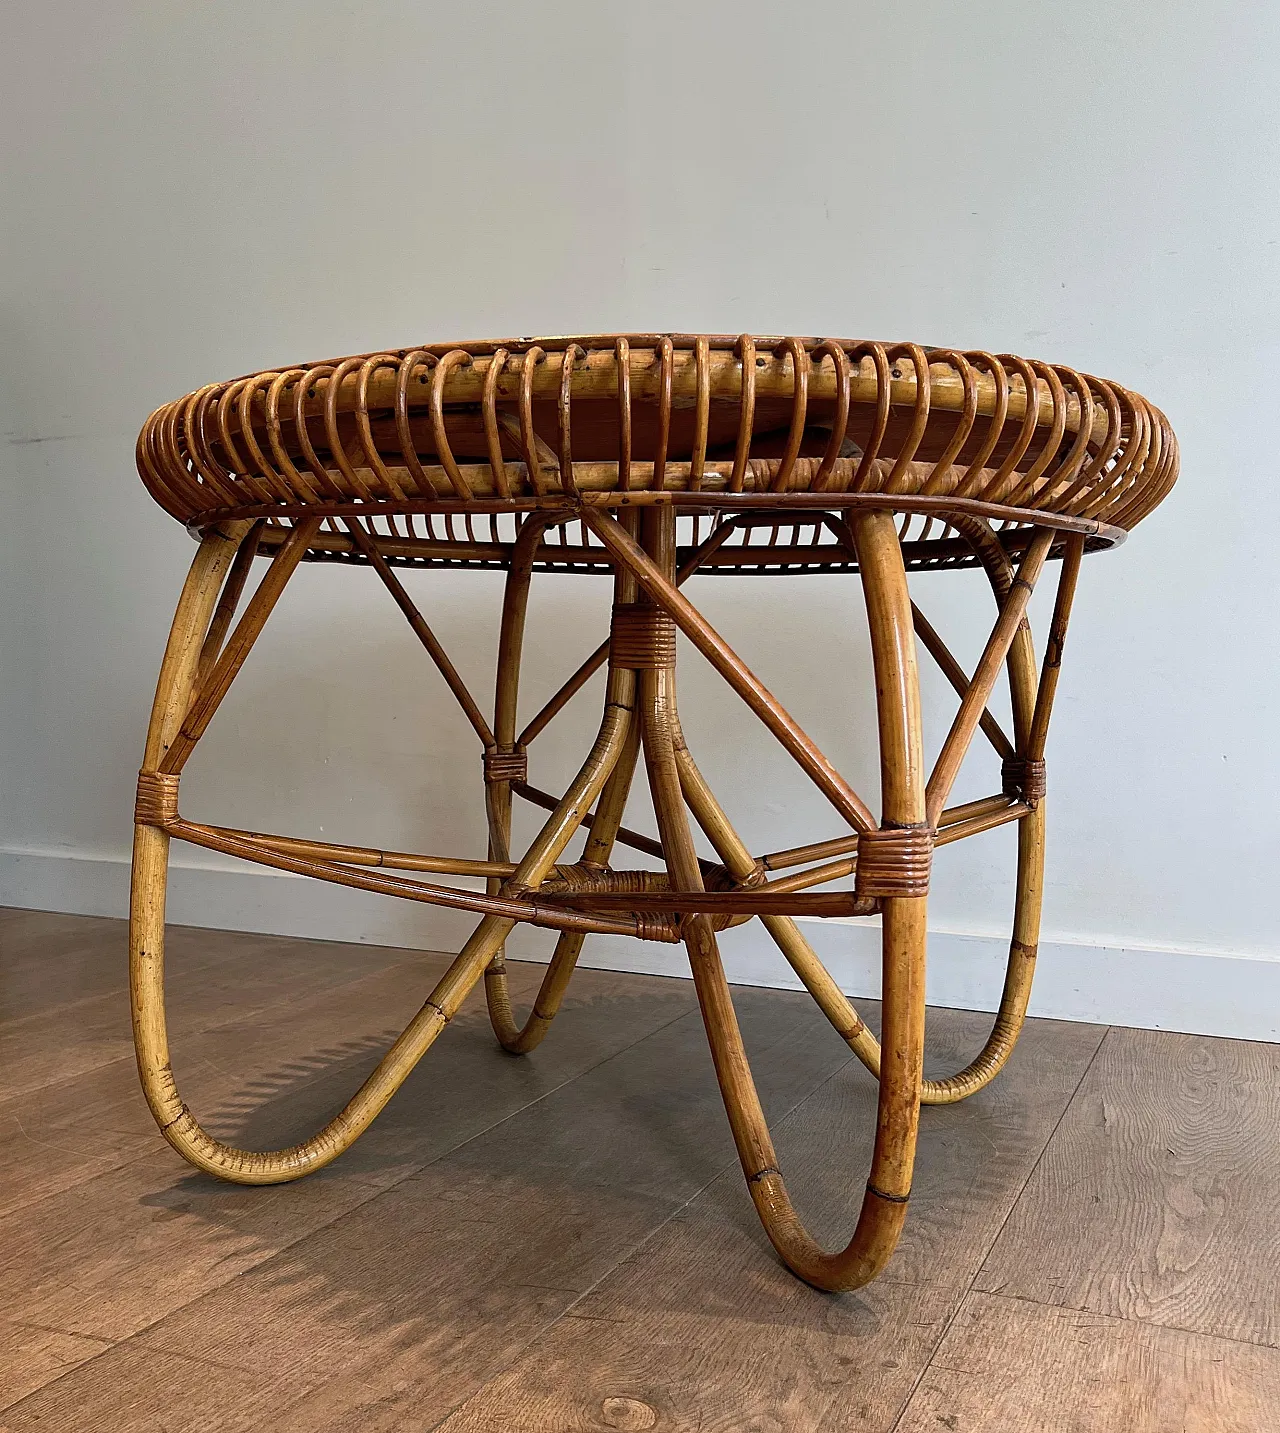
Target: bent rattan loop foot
<point>902,774</point>
<point>150,867</point>
<point>654,458</point>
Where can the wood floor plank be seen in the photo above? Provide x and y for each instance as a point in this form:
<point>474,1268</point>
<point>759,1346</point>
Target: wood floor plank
<point>1008,1364</point>
<point>415,1299</point>
<point>129,1381</point>
<point>49,960</point>
<point>973,1158</point>
<point>464,1085</point>
<point>64,1133</point>
<point>209,980</point>
<point>704,1329</point>
<point>109,1256</point>
<point>117,1252</point>
<point>1157,1198</point>
<point>23,929</point>
<point>30,1357</point>
<point>29,935</point>
<point>652,1119</point>
<point>57,1133</point>
<point>71,1040</point>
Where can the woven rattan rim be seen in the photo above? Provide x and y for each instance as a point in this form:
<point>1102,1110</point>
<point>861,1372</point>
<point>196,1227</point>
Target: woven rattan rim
<point>784,427</point>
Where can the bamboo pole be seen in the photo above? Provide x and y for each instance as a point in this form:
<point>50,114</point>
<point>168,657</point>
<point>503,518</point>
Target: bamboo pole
<point>955,674</point>
<point>225,611</point>
<point>519,907</point>
<point>782,929</point>
<point>731,667</point>
<point>520,1039</point>
<point>625,836</point>
<point>979,690</point>
<point>369,548</point>
<point>603,827</point>
<point>368,855</point>
<point>208,697</point>
<point>1067,577</point>
<point>556,703</point>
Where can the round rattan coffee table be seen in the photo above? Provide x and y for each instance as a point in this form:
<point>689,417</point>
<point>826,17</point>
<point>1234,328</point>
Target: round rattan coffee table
<point>652,458</point>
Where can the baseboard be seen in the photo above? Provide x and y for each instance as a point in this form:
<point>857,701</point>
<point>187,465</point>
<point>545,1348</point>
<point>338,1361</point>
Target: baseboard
<point>1200,992</point>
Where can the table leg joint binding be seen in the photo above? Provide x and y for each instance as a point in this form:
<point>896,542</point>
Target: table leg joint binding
<point>505,765</point>
<point>157,800</point>
<point>642,637</point>
<point>894,861</point>
<point>1024,779</point>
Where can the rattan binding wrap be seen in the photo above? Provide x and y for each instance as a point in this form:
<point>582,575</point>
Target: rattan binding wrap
<point>643,637</point>
<point>157,799</point>
<point>506,765</point>
<point>894,861</point>
<point>1024,778</point>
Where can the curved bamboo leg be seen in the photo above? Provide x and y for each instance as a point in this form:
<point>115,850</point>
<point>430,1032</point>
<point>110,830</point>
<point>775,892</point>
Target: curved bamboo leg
<point>147,918</point>
<point>1030,724</point>
<point>1032,704</point>
<point>1016,994</point>
<point>1020,970</point>
<point>512,1036</point>
<point>497,794</point>
<point>884,1203</point>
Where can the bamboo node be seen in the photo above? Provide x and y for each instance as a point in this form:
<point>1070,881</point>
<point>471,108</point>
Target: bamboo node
<point>1024,779</point>
<point>502,765</point>
<point>769,1169</point>
<point>894,861</point>
<point>888,1198</point>
<point>641,637</point>
<point>157,800</point>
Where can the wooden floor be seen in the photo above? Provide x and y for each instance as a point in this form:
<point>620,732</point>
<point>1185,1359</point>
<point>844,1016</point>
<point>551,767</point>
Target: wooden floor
<point>564,1242</point>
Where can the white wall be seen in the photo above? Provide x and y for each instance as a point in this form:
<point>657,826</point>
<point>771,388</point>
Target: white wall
<point>194,191</point>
